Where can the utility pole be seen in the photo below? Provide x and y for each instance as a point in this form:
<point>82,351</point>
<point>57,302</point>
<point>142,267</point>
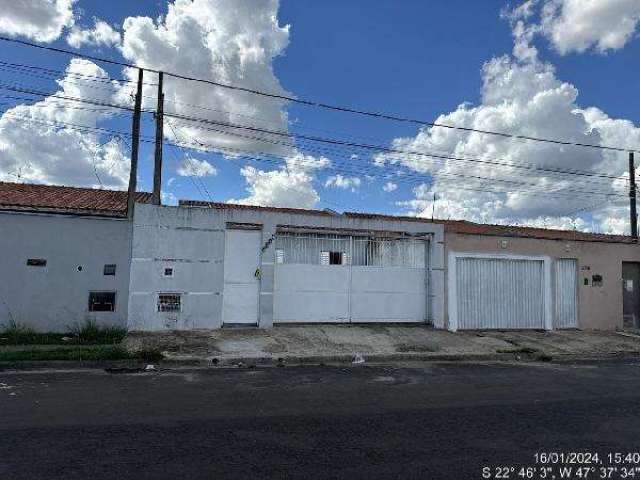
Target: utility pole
<point>632,197</point>
<point>157,168</point>
<point>135,140</point>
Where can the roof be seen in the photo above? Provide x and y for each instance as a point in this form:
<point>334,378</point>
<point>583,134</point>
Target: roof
<point>57,199</point>
<point>113,203</point>
<point>451,226</point>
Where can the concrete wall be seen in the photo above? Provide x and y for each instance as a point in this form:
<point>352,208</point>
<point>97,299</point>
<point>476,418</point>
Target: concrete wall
<point>599,308</point>
<point>55,297</point>
<point>191,240</point>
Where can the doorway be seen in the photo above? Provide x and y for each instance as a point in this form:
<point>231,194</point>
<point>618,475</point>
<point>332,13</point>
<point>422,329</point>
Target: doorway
<point>630,294</point>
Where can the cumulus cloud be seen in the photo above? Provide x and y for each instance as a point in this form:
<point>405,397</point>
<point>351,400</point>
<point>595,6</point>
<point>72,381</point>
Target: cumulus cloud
<point>40,20</point>
<point>289,186</point>
<point>520,95</point>
<point>230,41</point>
<point>101,35</point>
<point>343,182</point>
<point>390,187</point>
<point>581,25</point>
<point>192,167</point>
<point>38,143</point>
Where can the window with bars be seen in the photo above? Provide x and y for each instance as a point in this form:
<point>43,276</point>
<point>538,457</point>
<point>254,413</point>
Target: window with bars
<point>109,269</point>
<point>169,302</point>
<point>102,301</point>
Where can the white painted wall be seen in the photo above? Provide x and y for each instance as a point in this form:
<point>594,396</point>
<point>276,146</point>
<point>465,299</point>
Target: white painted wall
<point>56,297</point>
<point>193,245</point>
<point>193,241</point>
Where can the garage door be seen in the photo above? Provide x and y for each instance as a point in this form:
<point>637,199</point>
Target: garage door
<point>499,293</point>
<point>340,278</point>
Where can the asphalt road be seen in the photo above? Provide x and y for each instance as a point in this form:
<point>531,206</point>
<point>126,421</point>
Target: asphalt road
<point>428,421</point>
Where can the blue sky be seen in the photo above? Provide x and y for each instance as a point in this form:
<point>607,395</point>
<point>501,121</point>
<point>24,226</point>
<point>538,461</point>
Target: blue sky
<point>412,58</point>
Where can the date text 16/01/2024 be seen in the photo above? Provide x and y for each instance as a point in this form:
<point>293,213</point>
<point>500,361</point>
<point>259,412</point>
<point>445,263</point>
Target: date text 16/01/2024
<point>580,465</point>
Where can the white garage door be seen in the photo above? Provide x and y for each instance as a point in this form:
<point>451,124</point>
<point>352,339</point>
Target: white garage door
<point>340,278</point>
<point>499,293</point>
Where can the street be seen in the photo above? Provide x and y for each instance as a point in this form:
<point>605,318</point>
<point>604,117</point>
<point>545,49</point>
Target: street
<point>420,420</point>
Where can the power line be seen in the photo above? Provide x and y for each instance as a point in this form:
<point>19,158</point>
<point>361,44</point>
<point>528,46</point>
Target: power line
<point>200,145</point>
<point>368,147</point>
<point>326,106</point>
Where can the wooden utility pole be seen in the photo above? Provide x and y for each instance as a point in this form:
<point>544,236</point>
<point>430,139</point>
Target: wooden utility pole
<point>135,140</point>
<point>157,168</point>
<point>632,197</point>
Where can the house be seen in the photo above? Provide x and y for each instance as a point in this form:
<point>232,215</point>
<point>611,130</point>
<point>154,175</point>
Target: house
<point>71,254</point>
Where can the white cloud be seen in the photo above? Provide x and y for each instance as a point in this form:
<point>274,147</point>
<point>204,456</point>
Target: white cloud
<point>102,34</point>
<point>289,186</point>
<point>520,95</point>
<point>40,20</point>
<point>192,167</point>
<point>581,25</point>
<point>36,145</point>
<point>390,187</point>
<point>343,182</point>
<point>229,41</point>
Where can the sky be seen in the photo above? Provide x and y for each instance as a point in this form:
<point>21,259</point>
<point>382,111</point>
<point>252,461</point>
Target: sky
<point>559,69</point>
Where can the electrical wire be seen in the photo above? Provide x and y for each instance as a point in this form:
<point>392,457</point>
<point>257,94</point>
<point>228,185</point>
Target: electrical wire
<point>326,106</point>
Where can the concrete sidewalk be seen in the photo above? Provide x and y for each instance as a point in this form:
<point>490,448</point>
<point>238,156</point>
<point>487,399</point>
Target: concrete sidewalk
<point>338,343</point>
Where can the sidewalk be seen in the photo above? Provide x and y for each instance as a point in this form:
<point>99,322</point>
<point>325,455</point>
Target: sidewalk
<point>339,343</point>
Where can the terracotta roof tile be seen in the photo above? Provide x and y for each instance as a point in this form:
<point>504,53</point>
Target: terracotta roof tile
<point>22,196</point>
<point>88,201</point>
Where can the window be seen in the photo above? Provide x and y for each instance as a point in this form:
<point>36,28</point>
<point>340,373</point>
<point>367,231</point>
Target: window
<point>332,258</point>
<point>36,262</point>
<point>168,272</point>
<point>169,302</point>
<point>279,255</point>
<point>109,269</point>
<point>102,301</point>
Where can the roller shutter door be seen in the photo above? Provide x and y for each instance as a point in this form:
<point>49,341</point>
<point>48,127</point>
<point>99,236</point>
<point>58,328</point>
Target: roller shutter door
<point>500,293</point>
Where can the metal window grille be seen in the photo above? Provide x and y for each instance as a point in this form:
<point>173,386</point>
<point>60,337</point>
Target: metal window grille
<point>169,302</point>
<point>109,269</point>
<point>308,248</point>
<point>358,251</point>
<point>102,301</point>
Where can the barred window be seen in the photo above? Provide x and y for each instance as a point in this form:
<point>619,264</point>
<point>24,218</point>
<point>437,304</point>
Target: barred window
<point>102,301</point>
<point>169,302</point>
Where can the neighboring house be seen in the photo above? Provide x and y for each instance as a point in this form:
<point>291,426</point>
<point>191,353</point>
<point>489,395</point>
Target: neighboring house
<point>64,256</point>
<point>206,265</point>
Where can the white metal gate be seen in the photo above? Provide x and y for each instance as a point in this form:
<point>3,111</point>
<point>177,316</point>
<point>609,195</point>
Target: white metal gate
<point>241,286</point>
<point>342,278</point>
<point>499,293</point>
<point>566,280</point>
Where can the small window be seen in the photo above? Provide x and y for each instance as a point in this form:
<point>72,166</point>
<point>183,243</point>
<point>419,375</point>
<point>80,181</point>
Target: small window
<point>168,272</point>
<point>109,269</point>
<point>36,262</point>
<point>169,302</point>
<point>279,256</point>
<point>332,258</point>
<point>102,301</point>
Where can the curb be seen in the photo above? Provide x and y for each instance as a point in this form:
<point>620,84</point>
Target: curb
<point>292,360</point>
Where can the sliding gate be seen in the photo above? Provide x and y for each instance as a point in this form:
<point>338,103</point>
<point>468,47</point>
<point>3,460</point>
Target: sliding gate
<point>343,278</point>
